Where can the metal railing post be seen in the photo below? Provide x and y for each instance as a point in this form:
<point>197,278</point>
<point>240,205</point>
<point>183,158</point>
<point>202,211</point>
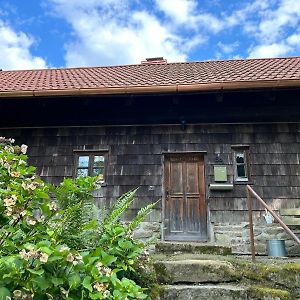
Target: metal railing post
<point>252,246</point>
<point>264,204</point>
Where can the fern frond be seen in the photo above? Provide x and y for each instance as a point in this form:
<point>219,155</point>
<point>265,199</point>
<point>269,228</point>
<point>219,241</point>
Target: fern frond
<point>141,215</point>
<point>69,226</point>
<point>119,207</point>
<point>87,210</point>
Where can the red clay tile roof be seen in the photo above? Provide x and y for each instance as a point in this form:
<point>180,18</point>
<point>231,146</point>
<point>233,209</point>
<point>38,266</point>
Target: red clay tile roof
<point>171,77</point>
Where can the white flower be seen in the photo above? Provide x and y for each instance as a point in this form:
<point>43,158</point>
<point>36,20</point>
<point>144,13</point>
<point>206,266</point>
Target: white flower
<point>52,206</point>
<point>106,293</point>
<point>24,148</point>
<point>8,213</point>
<point>100,287</point>
<point>31,221</point>
<point>24,254</point>
<point>70,257</point>
<point>30,186</point>
<point>23,213</point>
<point>17,293</point>
<point>33,185</point>
<point>99,266</point>
<point>11,201</point>
<point>9,149</point>
<point>107,271</point>
<point>78,257</point>
<point>44,258</point>
<point>15,174</point>
<point>64,248</point>
<point>41,219</point>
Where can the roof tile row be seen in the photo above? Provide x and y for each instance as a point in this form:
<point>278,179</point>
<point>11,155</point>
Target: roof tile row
<point>149,75</point>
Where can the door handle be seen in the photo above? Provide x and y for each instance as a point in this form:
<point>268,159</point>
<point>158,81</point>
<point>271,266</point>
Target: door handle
<point>167,195</point>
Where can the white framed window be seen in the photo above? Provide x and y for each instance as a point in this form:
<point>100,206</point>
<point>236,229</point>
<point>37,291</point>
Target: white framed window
<point>241,163</point>
<point>88,163</point>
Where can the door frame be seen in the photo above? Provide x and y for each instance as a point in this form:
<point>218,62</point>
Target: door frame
<point>169,153</point>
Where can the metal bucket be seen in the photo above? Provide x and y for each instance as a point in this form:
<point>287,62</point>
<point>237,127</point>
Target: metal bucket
<point>276,248</point>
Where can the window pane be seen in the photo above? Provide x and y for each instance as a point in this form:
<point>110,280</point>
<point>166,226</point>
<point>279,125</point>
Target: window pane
<point>99,172</point>
<point>99,161</point>
<point>82,172</point>
<point>240,159</point>
<point>241,172</point>
<point>83,161</point>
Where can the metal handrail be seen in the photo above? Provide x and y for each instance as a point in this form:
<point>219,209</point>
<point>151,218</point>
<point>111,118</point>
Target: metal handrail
<point>251,192</point>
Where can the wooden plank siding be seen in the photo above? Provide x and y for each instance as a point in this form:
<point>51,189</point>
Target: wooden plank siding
<point>136,159</point>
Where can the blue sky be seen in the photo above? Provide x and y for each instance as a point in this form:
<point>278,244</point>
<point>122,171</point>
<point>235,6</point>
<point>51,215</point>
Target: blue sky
<point>70,33</point>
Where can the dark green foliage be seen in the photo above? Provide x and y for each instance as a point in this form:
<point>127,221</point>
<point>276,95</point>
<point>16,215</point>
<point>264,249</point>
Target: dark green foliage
<point>36,263</point>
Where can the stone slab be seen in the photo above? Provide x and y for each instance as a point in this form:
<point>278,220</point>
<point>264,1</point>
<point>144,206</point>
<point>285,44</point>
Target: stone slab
<point>190,247</point>
<point>204,292</point>
<point>194,271</point>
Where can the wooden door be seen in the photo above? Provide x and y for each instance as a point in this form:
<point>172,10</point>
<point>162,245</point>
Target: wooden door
<point>184,206</point>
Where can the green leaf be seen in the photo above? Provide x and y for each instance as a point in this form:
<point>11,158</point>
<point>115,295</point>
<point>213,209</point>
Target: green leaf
<point>74,281</point>
<point>36,272</point>
<point>55,258</point>
<point>4,292</point>
<point>90,225</point>
<point>46,250</point>
<point>44,243</point>
<point>92,260</point>
<point>41,282</point>
<point>125,244</point>
<point>86,283</point>
<point>57,281</point>
<point>107,259</point>
<point>96,295</point>
<point>50,232</point>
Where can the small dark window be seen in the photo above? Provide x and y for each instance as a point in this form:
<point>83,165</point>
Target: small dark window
<point>241,164</point>
<point>90,164</point>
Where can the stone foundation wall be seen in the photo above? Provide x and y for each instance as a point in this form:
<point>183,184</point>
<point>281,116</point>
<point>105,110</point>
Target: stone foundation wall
<point>234,236</point>
<point>148,230</point>
<point>237,237</point>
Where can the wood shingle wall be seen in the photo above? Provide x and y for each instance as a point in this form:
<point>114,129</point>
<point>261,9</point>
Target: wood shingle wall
<point>135,159</point>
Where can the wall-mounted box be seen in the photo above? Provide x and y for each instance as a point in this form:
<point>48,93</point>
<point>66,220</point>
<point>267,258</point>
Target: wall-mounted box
<point>221,186</point>
<point>220,173</point>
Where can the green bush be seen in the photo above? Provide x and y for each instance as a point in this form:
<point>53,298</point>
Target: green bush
<point>64,248</point>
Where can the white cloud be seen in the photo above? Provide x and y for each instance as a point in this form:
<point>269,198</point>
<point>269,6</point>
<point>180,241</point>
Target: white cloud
<point>270,25</point>
<point>269,50</point>
<point>210,23</point>
<point>186,13</point>
<point>15,50</point>
<point>276,21</point>
<point>109,33</point>
<point>294,40</point>
<point>227,48</point>
<point>180,11</point>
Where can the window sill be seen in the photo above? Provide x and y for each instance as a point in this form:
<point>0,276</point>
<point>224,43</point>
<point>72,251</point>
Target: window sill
<point>242,182</point>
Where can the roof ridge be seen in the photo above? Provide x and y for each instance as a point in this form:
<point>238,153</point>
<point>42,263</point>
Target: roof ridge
<point>147,65</point>
<point>282,71</point>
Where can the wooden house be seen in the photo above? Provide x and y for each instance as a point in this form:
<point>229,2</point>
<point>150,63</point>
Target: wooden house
<point>191,134</point>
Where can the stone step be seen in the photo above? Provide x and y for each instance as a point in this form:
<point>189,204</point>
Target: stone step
<point>199,248</point>
<point>204,292</point>
<point>194,271</point>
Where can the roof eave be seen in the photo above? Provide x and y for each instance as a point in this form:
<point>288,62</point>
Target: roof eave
<point>177,88</point>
